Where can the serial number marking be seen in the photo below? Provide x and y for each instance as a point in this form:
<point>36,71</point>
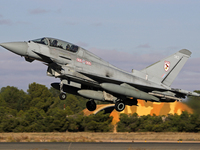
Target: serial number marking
<point>84,61</point>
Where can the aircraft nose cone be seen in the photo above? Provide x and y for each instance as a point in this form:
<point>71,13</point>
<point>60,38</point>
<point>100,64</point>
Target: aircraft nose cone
<point>19,48</point>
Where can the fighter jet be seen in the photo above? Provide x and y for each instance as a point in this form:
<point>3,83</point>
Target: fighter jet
<point>85,74</point>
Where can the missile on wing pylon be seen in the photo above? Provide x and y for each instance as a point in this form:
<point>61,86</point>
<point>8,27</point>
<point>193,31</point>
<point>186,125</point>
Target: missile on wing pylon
<point>125,89</point>
<point>188,93</point>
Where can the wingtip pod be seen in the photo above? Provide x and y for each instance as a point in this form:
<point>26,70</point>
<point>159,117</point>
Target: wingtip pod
<point>186,52</point>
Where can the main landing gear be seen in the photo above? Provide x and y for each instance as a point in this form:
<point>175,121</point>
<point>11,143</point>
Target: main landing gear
<point>91,105</point>
<point>119,105</point>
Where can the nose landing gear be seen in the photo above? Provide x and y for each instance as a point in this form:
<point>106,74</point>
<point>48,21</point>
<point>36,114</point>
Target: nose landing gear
<point>62,94</point>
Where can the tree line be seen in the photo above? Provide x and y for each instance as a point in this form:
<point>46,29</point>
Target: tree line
<point>40,110</point>
<point>172,123</point>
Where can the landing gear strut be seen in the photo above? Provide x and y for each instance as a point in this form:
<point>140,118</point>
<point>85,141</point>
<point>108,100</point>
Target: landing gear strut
<point>62,94</point>
<point>91,105</point>
<point>119,106</point>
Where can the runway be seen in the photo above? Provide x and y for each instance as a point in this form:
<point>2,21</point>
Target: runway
<point>99,146</point>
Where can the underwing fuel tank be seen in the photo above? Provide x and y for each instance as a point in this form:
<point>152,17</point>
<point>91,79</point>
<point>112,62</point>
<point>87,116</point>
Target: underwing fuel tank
<point>97,95</point>
<point>125,89</point>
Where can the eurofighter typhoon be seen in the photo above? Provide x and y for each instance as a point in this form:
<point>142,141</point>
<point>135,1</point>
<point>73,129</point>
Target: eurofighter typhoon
<point>85,74</point>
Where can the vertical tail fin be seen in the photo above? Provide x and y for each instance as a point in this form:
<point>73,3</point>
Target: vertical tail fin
<point>166,70</point>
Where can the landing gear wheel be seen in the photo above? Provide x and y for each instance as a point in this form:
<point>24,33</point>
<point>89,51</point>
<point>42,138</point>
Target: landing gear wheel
<point>91,105</point>
<point>62,96</point>
<point>119,106</point>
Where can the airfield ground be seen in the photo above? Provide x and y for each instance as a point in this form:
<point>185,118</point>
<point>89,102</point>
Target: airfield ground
<point>100,137</point>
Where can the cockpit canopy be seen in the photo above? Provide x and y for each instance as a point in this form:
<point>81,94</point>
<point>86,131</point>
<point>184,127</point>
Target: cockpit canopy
<point>57,43</point>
